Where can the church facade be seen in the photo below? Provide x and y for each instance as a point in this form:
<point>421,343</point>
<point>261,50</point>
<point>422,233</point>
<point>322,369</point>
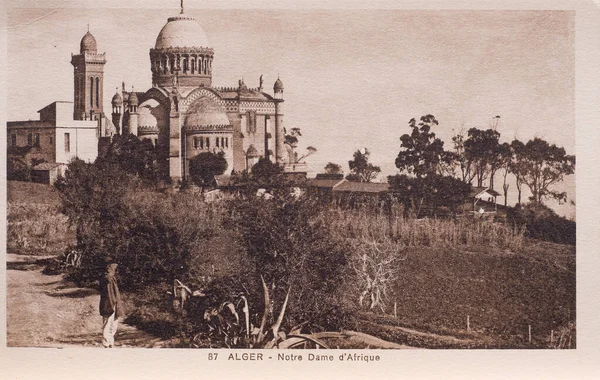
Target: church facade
<point>183,113</point>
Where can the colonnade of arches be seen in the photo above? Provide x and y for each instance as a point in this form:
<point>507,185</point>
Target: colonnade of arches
<point>185,63</point>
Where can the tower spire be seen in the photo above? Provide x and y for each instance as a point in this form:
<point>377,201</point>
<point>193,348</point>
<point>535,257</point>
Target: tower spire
<point>181,6</point>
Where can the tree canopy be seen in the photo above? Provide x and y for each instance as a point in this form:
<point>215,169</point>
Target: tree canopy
<point>422,153</point>
<point>332,168</point>
<point>205,166</point>
<point>540,166</point>
<point>132,156</point>
<point>360,168</point>
<point>482,153</point>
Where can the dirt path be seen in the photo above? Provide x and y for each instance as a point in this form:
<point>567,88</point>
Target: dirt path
<point>47,311</point>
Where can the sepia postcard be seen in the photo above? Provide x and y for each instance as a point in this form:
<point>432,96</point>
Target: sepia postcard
<point>288,189</point>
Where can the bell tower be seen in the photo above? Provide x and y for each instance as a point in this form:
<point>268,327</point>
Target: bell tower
<point>88,68</point>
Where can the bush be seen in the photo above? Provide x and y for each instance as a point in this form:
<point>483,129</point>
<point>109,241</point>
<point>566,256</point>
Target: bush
<point>291,248</point>
<point>18,170</point>
<point>541,222</point>
<point>151,234</point>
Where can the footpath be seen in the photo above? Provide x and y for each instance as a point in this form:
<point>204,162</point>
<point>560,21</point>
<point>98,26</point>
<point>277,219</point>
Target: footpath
<point>47,311</point>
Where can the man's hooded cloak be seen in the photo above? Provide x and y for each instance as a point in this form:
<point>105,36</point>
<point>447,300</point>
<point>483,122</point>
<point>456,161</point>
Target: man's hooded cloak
<point>110,298</point>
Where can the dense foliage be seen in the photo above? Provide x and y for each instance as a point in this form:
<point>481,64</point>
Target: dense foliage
<point>150,234</point>
<point>422,153</point>
<point>429,193</point>
<point>134,156</point>
<point>289,243</point>
<point>205,166</point>
<point>541,222</point>
<point>361,170</point>
<point>18,170</point>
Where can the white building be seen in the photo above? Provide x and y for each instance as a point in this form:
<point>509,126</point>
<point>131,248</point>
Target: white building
<point>56,137</point>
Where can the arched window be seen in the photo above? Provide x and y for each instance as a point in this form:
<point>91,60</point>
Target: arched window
<point>217,142</point>
<point>91,92</point>
<point>207,143</point>
<point>97,92</point>
<point>222,142</point>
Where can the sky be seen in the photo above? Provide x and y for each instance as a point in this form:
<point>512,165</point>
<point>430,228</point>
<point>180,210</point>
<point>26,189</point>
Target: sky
<point>353,78</point>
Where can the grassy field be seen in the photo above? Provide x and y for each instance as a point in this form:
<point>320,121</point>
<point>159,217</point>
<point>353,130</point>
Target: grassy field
<point>502,293</point>
<point>505,287</point>
<point>35,224</point>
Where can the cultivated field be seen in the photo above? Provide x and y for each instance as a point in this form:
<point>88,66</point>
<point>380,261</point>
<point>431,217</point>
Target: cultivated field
<point>433,283</point>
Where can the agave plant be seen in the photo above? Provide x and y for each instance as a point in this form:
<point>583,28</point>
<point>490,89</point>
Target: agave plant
<point>225,325</point>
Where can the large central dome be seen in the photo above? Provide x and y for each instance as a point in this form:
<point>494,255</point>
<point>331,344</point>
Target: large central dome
<point>181,31</point>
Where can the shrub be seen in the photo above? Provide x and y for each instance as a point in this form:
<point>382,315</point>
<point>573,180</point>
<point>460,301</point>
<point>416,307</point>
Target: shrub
<point>291,247</point>
<point>18,170</point>
<point>205,166</point>
<point>541,222</point>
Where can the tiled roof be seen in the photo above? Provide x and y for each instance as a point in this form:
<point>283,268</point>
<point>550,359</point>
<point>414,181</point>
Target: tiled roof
<point>362,187</point>
<point>475,191</point>
<point>323,183</point>
<point>330,176</point>
<point>46,166</point>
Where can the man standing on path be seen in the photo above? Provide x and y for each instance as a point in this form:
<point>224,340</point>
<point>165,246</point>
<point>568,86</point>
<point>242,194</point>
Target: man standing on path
<point>111,307</point>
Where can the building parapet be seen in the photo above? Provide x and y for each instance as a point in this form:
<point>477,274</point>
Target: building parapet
<point>209,128</point>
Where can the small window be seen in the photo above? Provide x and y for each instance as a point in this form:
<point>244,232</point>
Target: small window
<point>207,143</point>
<point>217,142</point>
<point>36,142</point>
<point>29,139</point>
<point>201,142</point>
<point>13,140</point>
<point>67,142</point>
<point>222,142</point>
<point>155,142</point>
<point>196,142</point>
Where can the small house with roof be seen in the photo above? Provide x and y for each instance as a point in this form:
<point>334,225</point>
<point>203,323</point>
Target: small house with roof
<point>483,199</point>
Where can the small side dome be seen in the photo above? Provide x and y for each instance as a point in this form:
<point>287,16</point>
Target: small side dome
<point>117,100</point>
<point>88,44</point>
<point>133,99</point>
<point>278,86</point>
<point>251,152</point>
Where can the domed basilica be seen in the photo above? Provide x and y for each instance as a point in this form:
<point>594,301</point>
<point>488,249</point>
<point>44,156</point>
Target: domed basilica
<point>183,112</point>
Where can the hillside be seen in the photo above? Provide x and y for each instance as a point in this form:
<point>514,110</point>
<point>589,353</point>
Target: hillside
<point>29,192</point>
